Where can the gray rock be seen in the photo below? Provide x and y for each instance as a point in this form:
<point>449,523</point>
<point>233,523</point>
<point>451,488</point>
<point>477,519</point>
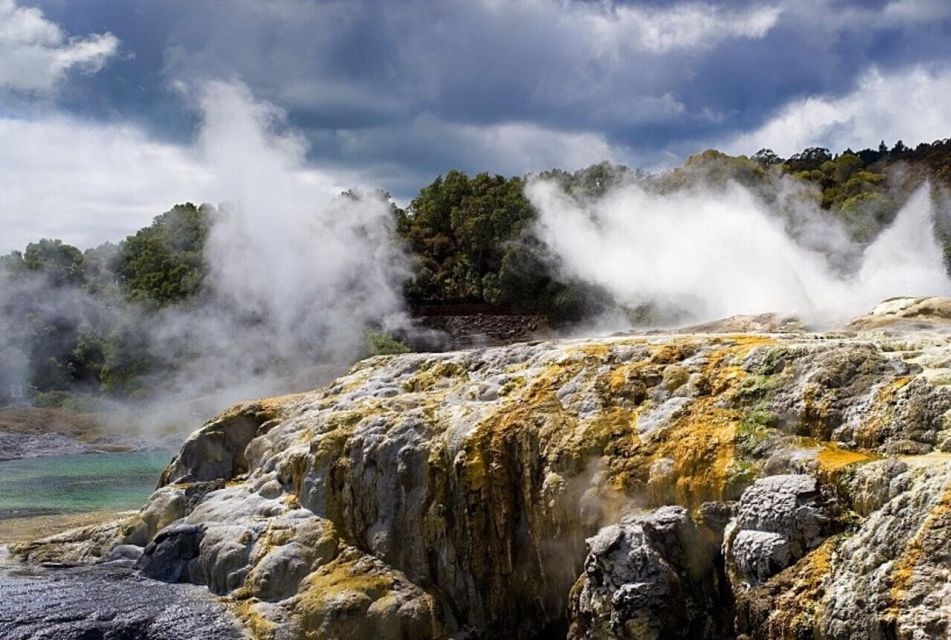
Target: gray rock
<point>639,582</point>
<point>422,495</point>
<point>169,556</point>
<point>125,552</point>
<point>829,394</point>
<point>778,520</point>
<point>108,602</point>
<point>757,555</point>
<point>892,578</point>
<point>872,485</point>
<point>14,446</point>
<point>217,450</point>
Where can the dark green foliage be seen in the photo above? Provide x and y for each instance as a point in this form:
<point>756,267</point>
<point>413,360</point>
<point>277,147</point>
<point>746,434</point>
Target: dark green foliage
<point>62,308</point>
<point>713,168</point>
<point>61,264</point>
<point>100,280</point>
<point>128,359</point>
<point>593,181</point>
<point>854,193</point>
<point>808,159</point>
<point>52,336</point>
<point>377,343</point>
<point>458,228</point>
<point>766,158</point>
<point>864,189</point>
<point>164,263</point>
<point>527,281</point>
<point>471,241</point>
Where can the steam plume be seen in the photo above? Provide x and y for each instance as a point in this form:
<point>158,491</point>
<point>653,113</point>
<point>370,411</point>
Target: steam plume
<point>715,253</point>
<point>297,271</point>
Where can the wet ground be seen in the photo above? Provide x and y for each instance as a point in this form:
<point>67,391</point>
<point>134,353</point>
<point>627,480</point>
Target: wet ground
<point>106,602</point>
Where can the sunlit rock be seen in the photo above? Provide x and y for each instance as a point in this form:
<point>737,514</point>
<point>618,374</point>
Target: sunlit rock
<point>773,484</point>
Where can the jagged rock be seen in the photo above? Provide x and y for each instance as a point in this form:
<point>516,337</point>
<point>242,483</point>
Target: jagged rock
<point>856,394</point>
<point>83,545</point>
<point>872,485</point>
<point>712,519</point>
<point>887,578</point>
<point>892,578</point>
<point>357,596</point>
<point>897,312</point>
<point>166,505</point>
<point>675,377</point>
<point>778,520</point>
<point>761,323</point>
<point>291,548</point>
<point>639,581</point>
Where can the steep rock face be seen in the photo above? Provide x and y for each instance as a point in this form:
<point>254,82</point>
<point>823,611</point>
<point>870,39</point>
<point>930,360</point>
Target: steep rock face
<point>650,576</point>
<point>523,491</point>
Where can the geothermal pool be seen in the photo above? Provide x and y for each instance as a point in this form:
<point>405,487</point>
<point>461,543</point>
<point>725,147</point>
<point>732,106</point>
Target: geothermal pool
<point>78,483</point>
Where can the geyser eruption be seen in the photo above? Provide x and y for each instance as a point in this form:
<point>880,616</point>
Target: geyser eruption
<point>314,265</point>
<point>708,254</point>
<point>296,270</point>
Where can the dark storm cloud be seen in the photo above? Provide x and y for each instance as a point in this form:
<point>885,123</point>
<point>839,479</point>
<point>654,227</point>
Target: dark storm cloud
<point>364,63</point>
<point>401,91</point>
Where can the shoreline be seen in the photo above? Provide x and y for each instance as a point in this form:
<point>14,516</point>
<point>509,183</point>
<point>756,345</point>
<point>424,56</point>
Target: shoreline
<point>29,528</point>
<point>37,432</point>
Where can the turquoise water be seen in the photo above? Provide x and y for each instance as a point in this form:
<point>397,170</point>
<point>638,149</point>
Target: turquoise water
<point>79,483</point>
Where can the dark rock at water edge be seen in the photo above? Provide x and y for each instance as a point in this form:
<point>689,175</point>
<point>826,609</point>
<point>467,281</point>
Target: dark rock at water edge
<point>107,602</point>
<point>169,555</point>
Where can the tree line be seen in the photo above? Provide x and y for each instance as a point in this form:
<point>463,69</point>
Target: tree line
<point>469,238</point>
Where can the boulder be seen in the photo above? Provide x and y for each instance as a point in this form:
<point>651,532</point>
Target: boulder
<point>647,577</point>
<point>169,557</point>
<point>778,520</point>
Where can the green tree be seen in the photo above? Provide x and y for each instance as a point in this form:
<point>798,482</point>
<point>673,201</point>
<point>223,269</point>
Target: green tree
<point>127,361</point>
<point>766,158</point>
<point>164,262</point>
<point>808,159</point>
<point>61,264</point>
<point>457,228</point>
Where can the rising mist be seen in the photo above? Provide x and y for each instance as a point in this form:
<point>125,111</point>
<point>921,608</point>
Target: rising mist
<point>297,270</point>
<point>701,254</point>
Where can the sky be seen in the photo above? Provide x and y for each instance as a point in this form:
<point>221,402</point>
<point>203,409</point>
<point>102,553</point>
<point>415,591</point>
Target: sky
<point>100,111</point>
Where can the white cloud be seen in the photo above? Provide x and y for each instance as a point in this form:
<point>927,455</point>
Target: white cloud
<point>909,104</point>
<point>522,147</point>
<point>917,10</point>
<point>613,26</point>
<point>35,54</point>
<point>682,26</point>
<point>87,183</point>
